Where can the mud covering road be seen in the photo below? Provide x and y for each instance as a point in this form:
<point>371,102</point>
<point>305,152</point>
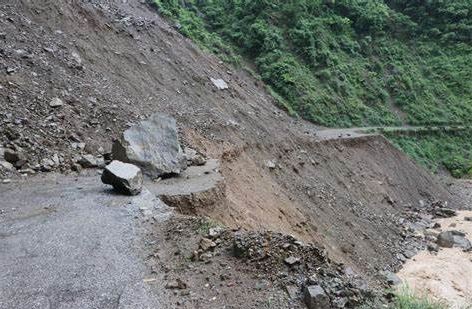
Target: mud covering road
<point>72,243</point>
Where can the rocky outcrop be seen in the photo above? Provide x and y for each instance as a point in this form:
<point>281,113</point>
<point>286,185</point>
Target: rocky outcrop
<point>152,145</point>
<point>125,178</point>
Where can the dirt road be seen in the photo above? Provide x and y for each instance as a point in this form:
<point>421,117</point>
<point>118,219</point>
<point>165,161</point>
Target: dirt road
<point>71,243</point>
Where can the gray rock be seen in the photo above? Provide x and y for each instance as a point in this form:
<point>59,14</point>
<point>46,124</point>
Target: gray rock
<point>152,145</point>
<point>125,178</point>
<point>316,298</point>
<point>445,212</point>
<point>12,156</point>
<point>391,278</point>
<point>451,239</point>
<point>446,239</point>
<point>270,164</point>
<point>6,166</point>
<point>468,219</point>
<point>88,161</point>
<point>56,102</point>
<point>291,260</point>
<point>219,83</point>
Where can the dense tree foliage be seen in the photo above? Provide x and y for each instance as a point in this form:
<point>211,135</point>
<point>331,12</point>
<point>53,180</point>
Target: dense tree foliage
<point>349,62</point>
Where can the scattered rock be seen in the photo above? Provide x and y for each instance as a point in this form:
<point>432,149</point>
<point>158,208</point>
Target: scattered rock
<point>215,232</point>
<point>316,298</point>
<point>391,278</point>
<point>291,260</point>
<point>451,239</point>
<point>445,213</point>
<point>152,145</point>
<point>56,102</point>
<point>125,178</point>
<point>88,161</point>
<point>270,164</point>
<point>468,219</point>
<point>207,244</point>
<point>219,83</point>
<point>177,284</point>
<point>194,158</point>
<point>12,156</point>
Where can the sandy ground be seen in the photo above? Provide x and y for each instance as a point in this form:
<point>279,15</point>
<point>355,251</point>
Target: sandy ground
<point>446,276</point>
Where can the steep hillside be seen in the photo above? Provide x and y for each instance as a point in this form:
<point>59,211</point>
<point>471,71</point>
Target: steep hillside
<point>347,63</point>
<point>112,63</point>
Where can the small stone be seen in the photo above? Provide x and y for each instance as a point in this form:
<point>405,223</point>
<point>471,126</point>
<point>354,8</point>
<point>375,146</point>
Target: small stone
<point>6,166</point>
<point>12,156</point>
<point>391,278</point>
<point>177,284</point>
<point>446,239</point>
<point>292,291</point>
<point>56,102</point>
<point>207,244</point>
<point>215,232</point>
<point>270,164</point>
<point>219,83</point>
<point>445,212</point>
<point>291,260</point>
<point>468,219</point>
<point>125,178</point>
<point>316,298</point>
<point>88,161</point>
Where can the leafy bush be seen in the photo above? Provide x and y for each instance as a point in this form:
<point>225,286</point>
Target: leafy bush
<point>453,150</point>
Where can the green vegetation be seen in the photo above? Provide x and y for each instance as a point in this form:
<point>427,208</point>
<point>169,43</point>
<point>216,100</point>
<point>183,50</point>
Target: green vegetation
<point>346,63</point>
<point>352,62</point>
<point>406,299</point>
<point>452,150</point>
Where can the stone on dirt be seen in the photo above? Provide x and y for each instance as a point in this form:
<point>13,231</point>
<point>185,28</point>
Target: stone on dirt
<point>391,278</point>
<point>291,260</point>
<point>152,145</point>
<point>219,83</point>
<point>88,161</point>
<point>125,178</point>
<point>56,102</point>
<point>451,239</point>
<point>316,298</point>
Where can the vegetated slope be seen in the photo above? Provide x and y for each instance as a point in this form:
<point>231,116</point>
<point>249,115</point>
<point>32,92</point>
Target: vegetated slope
<point>435,150</point>
<point>347,63</point>
<point>113,63</point>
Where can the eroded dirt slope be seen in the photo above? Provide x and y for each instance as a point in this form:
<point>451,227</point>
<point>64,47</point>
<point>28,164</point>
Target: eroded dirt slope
<point>114,62</point>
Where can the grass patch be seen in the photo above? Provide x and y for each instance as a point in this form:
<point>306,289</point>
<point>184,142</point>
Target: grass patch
<point>405,299</point>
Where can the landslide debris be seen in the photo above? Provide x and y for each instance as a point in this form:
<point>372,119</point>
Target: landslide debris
<point>217,266</point>
<point>153,145</point>
<point>125,178</point>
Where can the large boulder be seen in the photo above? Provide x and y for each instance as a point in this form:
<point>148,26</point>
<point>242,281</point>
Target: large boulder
<point>152,145</point>
<point>125,178</point>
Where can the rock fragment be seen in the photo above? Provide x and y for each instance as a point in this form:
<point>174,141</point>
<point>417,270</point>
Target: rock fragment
<point>391,278</point>
<point>152,145</point>
<point>219,83</point>
<point>291,260</point>
<point>56,102</point>
<point>316,298</point>
<point>451,239</point>
<point>125,178</point>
